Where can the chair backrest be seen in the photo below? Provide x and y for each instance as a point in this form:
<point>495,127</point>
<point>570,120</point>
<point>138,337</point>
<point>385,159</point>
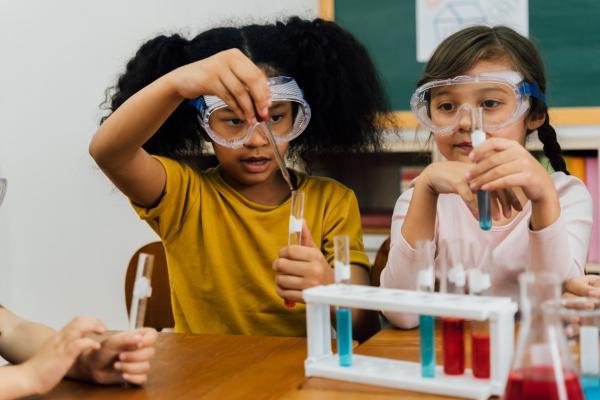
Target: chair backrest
<point>380,261</point>
<point>159,314</point>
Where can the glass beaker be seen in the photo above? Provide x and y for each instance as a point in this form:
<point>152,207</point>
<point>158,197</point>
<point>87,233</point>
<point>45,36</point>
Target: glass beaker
<point>580,317</point>
<point>542,367</point>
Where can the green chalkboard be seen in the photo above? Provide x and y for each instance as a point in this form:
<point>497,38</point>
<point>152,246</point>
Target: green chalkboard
<point>566,32</point>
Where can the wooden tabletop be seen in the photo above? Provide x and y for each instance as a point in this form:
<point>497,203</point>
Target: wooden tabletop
<point>208,367</point>
<point>242,367</point>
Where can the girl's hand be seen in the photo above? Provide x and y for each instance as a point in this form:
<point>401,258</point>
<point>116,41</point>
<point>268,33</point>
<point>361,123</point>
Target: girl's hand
<point>583,286</point>
<point>55,358</point>
<point>124,356</point>
<point>231,76</point>
<point>503,164</point>
<point>451,177</point>
<point>301,267</point>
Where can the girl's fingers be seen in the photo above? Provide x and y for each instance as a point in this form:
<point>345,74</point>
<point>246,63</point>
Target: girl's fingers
<point>495,144</point>
<point>291,282</point>
<point>504,203</point>
<point>81,326</point>
<point>501,170</point>
<point>286,266</point>
<point>293,295</point>
<point>489,162</point>
<point>133,368</point>
<point>241,95</point>
<point>509,181</point>
<point>469,198</point>
<point>75,347</point>
<point>514,201</point>
<point>256,83</point>
<point>136,379</point>
<point>495,204</point>
<point>222,92</point>
<point>143,354</point>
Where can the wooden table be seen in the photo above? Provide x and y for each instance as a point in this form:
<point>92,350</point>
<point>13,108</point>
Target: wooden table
<point>208,367</point>
<point>250,367</point>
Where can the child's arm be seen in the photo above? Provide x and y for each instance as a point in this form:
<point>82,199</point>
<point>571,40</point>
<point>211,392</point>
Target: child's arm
<point>117,145</point>
<point>46,355</point>
<point>437,178</point>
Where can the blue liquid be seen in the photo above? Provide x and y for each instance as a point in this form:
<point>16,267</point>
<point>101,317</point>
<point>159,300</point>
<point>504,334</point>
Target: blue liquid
<point>485,210</point>
<point>591,386</point>
<point>344,336</point>
<point>427,337</point>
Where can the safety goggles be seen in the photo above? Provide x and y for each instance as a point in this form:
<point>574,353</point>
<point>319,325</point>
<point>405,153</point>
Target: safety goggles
<point>503,95</point>
<point>289,115</point>
<point>2,189</point>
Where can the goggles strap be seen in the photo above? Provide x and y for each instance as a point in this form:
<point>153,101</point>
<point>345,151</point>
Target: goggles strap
<point>532,89</point>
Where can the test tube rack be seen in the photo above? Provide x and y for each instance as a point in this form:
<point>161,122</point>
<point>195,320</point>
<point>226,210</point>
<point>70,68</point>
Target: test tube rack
<point>322,362</point>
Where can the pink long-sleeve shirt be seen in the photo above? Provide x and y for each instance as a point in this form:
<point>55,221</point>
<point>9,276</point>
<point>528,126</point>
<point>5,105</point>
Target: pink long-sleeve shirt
<point>561,247</point>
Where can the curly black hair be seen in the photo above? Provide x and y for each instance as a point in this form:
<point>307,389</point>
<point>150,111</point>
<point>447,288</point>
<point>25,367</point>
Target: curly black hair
<point>334,70</point>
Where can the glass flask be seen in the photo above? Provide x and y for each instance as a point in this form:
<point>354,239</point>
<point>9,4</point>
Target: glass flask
<point>542,367</point>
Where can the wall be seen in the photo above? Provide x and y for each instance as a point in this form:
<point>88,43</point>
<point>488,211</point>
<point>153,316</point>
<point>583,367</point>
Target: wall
<point>66,234</point>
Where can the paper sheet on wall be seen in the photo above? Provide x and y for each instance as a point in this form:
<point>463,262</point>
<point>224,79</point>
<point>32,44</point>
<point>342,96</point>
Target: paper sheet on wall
<point>438,19</point>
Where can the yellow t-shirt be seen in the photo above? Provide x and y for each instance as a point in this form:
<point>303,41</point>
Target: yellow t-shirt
<point>220,248</point>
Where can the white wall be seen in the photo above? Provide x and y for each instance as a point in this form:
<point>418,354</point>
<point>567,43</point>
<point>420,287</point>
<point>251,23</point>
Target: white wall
<point>66,234</point>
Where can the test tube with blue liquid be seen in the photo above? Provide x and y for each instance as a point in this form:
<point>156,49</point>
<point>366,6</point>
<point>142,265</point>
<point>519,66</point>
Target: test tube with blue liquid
<point>426,283</point>
<point>483,197</point>
<point>341,248</point>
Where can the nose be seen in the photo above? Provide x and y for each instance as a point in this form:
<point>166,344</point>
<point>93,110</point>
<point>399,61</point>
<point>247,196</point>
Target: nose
<point>257,138</point>
<point>465,121</point>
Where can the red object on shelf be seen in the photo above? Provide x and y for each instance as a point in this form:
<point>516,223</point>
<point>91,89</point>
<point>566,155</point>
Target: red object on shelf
<point>539,383</point>
<point>376,220</point>
<point>480,355</point>
<point>453,341</point>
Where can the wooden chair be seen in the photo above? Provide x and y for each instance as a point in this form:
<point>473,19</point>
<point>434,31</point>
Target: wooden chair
<point>159,314</point>
<point>380,262</point>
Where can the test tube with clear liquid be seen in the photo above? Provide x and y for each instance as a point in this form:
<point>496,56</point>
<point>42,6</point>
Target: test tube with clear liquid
<point>295,225</point>
<point>342,270</point>
<point>483,197</point>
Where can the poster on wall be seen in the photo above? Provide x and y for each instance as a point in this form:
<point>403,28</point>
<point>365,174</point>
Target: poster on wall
<point>438,19</point>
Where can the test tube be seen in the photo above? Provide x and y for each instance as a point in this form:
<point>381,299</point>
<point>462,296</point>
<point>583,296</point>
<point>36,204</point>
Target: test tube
<point>453,329</point>
<point>480,282</point>
<point>295,226</point>
<point>142,290</point>
<point>483,197</point>
<point>426,283</point>
<point>341,248</point>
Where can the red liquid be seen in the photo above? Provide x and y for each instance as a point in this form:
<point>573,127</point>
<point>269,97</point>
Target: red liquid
<point>538,383</point>
<point>290,303</point>
<point>453,341</point>
<point>480,355</point>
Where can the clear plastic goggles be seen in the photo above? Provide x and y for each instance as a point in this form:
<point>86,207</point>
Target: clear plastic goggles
<point>503,96</point>
<point>289,115</point>
<point>2,189</point>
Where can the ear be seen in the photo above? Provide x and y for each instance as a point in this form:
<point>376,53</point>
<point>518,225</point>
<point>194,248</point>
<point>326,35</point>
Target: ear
<point>534,122</point>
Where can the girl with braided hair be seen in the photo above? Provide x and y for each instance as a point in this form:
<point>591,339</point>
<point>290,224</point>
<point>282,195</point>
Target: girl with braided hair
<point>541,221</point>
<point>225,229</point>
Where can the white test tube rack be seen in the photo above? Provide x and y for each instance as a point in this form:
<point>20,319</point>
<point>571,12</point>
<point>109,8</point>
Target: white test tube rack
<point>322,362</point>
